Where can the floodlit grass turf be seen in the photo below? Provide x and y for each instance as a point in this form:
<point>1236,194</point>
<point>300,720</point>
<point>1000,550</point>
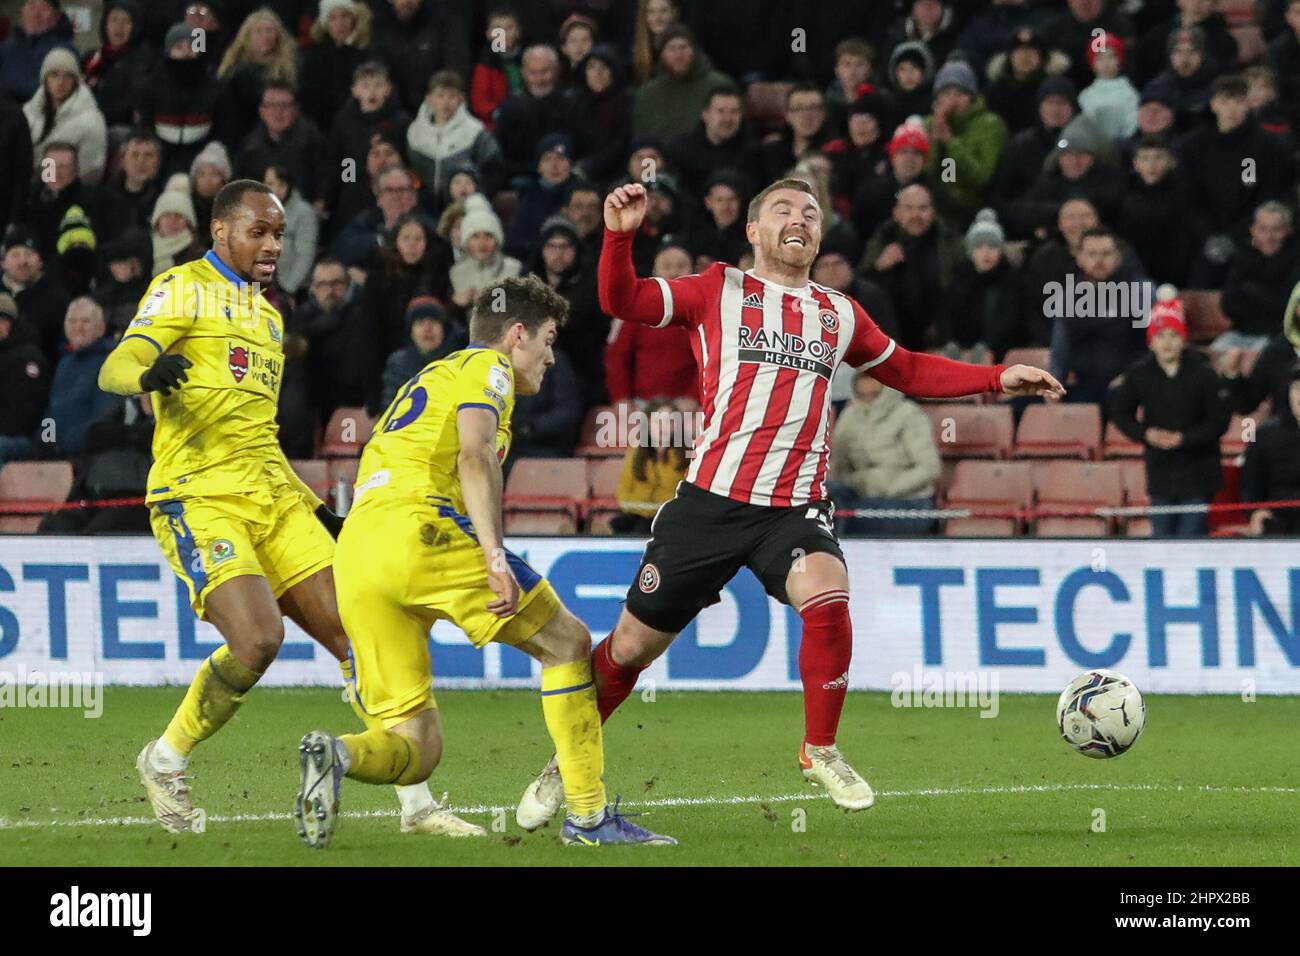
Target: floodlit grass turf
<point>947,784</point>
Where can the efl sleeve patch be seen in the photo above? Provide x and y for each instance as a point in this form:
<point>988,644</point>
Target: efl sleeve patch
<point>499,380</point>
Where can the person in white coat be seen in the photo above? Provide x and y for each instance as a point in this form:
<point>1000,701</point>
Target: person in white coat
<point>64,110</point>
<point>444,135</point>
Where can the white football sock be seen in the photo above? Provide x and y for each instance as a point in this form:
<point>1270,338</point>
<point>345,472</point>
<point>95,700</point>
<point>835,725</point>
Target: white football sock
<point>165,759</point>
<point>414,798</point>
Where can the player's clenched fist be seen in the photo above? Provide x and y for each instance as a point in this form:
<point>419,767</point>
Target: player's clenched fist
<point>166,374</point>
<point>625,208</point>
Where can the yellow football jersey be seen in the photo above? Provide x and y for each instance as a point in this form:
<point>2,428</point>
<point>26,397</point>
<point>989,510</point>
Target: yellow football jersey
<point>413,452</point>
<point>223,418</point>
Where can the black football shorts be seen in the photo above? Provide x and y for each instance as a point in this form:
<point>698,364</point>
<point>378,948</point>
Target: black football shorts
<point>699,541</point>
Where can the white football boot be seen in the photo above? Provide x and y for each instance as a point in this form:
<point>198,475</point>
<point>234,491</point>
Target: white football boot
<point>169,793</point>
<point>826,767</point>
<point>543,798</point>
<point>316,808</point>
<point>438,820</point>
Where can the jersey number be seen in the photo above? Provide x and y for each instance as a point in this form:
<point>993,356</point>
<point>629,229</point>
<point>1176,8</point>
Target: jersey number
<point>419,399</point>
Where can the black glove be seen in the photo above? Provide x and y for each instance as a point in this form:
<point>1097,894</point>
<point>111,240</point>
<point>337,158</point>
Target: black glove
<point>332,522</point>
<point>166,374</point>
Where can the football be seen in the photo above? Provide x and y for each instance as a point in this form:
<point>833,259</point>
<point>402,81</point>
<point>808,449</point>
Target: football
<point>1101,713</point>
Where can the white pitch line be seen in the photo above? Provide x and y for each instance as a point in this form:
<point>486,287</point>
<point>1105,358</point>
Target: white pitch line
<point>6,824</point>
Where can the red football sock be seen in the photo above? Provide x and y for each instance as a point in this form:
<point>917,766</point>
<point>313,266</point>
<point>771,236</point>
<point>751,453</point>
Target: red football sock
<point>824,655</point>
<point>614,681</point>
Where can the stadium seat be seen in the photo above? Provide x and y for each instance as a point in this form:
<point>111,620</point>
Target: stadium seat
<point>1250,43</point>
<point>32,482</point>
<point>1135,496</point>
<point>971,431</point>
<point>1077,484</point>
<point>602,480</point>
<point>1236,12</point>
<point>347,433</point>
<point>545,486</point>
<point>314,472</point>
<point>1203,309</point>
<point>1037,357</point>
<point>1050,430</point>
<point>1118,445</point>
<point>539,522</point>
<point>988,484</point>
<point>588,445</point>
<point>765,104</point>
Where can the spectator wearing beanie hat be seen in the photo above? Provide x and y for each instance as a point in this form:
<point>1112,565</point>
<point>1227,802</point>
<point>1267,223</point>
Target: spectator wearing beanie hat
<point>1153,46</point>
<point>24,382</point>
<point>1023,160</point>
<point>600,95</point>
<point>982,305</point>
<point>1183,415</point>
<point>1016,78</point>
<point>966,142</point>
<point>208,173</point>
<point>911,68</point>
<point>1078,169</point>
<point>1189,73</point>
<point>1110,101</point>
<point>858,155</point>
<point>906,154</point>
<point>545,195</point>
<point>40,297</point>
<point>433,335</point>
<point>340,43</point>
<point>174,226</point>
<point>930,23</point>
<point>482,262</point>
<point>64,110</point>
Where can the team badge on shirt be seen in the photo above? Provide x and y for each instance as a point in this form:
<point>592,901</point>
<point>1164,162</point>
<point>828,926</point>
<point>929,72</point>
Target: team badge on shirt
<point>274,329</point>
<point>238,362</point>
<point>830,321</point>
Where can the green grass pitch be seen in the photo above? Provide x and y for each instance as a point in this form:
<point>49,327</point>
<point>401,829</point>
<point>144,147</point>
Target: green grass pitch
<point>1212,782</point>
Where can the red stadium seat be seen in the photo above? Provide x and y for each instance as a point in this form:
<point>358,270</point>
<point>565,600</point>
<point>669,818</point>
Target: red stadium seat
<point>549,486</point>
<point>41,483</point>
<point>1057,431</point>
<point>971,431</point>
<point>1078,484</point>
<point>589,445</point>
<point>1135,496</point>
<point>1236,12</point>
<point>347,433</point>
<point>1250,43</point>
<point>1203,309</point>
<point>539,522</point>
<point>602,505</point>
<point>988,484</point>
<point>765,104</point>
<point>315,474</point>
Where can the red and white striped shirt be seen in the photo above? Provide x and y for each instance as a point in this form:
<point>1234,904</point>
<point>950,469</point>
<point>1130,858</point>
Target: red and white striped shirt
<point>766,354</point>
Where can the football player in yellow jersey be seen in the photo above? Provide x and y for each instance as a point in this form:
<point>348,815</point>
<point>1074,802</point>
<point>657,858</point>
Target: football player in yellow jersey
<point>423,543</point>
<point>249,538</point>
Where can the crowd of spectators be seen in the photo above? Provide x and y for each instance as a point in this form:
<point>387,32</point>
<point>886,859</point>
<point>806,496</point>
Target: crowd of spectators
<point>969,156</point>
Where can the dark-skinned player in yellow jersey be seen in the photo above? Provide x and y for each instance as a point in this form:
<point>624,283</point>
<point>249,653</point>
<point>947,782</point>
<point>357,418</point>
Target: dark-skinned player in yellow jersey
<point>252,542</point>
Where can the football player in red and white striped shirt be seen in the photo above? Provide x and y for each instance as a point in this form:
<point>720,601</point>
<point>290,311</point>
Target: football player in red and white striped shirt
<point>767,343</point>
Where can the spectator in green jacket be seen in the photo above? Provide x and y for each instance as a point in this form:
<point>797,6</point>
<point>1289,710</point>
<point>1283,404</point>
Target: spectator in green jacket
<point>966,140</point>
<point>670,104</point>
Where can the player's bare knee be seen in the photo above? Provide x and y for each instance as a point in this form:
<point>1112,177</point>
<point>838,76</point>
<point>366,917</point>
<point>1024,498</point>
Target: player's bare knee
<point>637,644</point>
<point>563,640</point>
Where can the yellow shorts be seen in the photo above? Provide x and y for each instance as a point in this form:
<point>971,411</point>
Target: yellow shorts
<point>398,569</point>
<point>268,531</point>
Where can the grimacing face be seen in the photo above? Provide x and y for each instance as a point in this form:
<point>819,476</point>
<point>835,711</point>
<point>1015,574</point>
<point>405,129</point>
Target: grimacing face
<point>788,229</point>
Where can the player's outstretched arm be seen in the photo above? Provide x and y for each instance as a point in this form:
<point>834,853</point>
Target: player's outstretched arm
<point>480,483</point>
<point>136,365</point>
<point>655,301</point>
